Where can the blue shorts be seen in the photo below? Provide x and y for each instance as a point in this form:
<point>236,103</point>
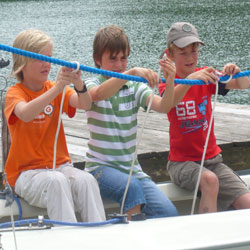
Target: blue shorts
<point>112,184</point>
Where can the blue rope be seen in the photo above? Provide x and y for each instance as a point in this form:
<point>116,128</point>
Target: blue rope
<point>62,223</point>
<point>20,211</point>
<point>105,72</point>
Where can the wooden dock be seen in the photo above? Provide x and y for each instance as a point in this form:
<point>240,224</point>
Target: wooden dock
<point>232,124</point>
<point>232,127</point>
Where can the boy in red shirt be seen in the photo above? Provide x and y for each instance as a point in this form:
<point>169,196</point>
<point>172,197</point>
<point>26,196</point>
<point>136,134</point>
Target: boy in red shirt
<point>189,120</point>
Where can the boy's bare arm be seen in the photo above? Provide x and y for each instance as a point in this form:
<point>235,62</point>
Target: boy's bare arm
<point>179,92</point>
<point>106,89</point>
<point>112,85</point>
<point>165,103</point>
<point>27,111</point>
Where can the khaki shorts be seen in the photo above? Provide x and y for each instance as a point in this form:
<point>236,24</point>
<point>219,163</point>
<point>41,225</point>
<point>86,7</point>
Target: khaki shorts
<point>185,175</point>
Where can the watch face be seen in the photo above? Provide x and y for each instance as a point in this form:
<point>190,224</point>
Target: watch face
<point>186,28</point>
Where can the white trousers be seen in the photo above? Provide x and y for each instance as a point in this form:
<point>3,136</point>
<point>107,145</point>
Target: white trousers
<point>62,192</point>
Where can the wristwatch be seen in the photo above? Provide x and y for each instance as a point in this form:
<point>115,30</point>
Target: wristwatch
<point>84,89</point>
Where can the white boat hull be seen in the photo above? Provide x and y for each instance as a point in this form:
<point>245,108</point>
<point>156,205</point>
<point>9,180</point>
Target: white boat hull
<point>222,230</point>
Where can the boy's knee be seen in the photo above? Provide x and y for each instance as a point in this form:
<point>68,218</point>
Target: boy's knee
<point>135,186</point>
<point>85,181</point>
<point>209,181</point>
<point>56,180</point>
<point>242,202</point>
<point>135,195</point>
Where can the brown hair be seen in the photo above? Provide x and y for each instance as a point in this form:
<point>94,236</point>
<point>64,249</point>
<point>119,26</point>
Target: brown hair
<point>111,38</point>
<point>30,40</point>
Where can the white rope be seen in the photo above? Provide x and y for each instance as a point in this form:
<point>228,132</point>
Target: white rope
<point>226,81</point>
<point>204,152</point>
<point>13,225</point>
<point>60,117</point>
<point>138,142</point>
<point>206,143</point>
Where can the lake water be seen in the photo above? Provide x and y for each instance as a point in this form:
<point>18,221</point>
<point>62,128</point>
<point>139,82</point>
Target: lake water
<point>222,25</point>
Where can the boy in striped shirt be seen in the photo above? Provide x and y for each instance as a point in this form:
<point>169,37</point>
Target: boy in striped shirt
<point>112,122</point>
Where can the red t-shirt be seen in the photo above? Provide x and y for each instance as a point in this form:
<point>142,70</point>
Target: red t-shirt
<point>189,122</point>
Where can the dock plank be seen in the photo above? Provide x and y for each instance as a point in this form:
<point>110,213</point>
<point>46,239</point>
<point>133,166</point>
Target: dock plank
<point>231,125</point>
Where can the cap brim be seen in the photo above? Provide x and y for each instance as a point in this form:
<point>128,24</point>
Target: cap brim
<point>185,41</point>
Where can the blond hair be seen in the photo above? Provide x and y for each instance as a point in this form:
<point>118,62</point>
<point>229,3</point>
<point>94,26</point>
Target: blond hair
<point>31,40</point>
<point>173,47</point>
<point>110,38</point>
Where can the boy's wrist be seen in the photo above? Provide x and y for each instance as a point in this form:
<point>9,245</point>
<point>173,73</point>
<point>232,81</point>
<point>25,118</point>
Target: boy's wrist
<point>131,72</point>
<point>59,87</point>
<point>82,89</point>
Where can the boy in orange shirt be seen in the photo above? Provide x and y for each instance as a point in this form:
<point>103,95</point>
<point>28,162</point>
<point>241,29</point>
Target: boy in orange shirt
<point>32,111</point>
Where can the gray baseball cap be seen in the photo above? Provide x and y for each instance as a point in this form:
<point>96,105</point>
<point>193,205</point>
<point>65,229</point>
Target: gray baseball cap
<point>182,34</point>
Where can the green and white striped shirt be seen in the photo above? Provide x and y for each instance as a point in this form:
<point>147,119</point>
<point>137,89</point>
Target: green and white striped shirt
<point>113,125</point>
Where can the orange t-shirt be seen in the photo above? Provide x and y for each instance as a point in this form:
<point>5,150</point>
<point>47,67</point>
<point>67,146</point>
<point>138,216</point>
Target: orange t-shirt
<point>32,143</point>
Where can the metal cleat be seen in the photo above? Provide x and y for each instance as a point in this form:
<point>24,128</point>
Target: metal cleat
<point>4,63</point>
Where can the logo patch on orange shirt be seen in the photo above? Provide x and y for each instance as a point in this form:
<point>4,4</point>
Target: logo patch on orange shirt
<point>48,110</point>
